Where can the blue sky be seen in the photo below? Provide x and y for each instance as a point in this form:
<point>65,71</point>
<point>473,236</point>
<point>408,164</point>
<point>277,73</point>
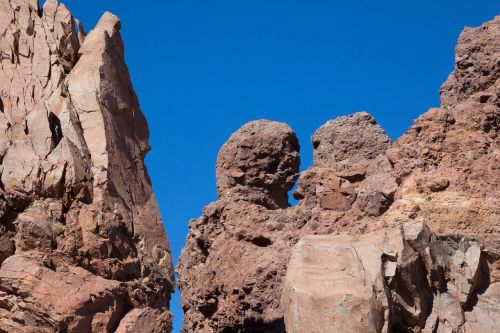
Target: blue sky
<point>204,68</point>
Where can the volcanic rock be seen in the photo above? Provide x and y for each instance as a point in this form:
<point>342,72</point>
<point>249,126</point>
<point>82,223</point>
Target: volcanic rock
<point>261,161</point>
<point>402,279</point>
<point>386,237</point>
<point>448,162</point>
<point>242,243</point>
<point>237,251</point>
<point>82,247</point>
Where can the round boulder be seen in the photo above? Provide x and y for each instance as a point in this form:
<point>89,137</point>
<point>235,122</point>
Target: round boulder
<point>262,155</point>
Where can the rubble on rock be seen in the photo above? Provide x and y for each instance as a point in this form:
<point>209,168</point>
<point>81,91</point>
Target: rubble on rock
<point>82,246</point>
<point>386,237</point>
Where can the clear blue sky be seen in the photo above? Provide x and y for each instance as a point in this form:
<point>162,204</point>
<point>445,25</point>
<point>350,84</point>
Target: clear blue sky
<point>204,68</point>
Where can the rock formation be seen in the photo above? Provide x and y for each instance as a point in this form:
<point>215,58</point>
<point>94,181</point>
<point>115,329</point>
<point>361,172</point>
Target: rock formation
<point>403,279</point>
<point>82,247</point>
<point>387,236</point>
<point>235,251</point>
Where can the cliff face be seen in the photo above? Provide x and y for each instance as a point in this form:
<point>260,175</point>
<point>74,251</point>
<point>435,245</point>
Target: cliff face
<point>386,236</point>
<point>82,246</point>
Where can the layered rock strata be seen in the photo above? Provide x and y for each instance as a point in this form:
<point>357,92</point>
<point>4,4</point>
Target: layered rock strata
<point>82,246</point>
<point>439,182</point>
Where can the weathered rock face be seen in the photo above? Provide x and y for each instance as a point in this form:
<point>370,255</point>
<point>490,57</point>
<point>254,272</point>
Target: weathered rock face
<point>392,237</point>
<point>448,162</point>
<point>237,251</point>
<point>82,247</point>
<point>403,279</point>
<point>260,162</point>
<point>242,243</point>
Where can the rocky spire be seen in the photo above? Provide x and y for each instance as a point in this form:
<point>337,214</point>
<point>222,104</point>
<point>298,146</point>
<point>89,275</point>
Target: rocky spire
<point>82,246</point>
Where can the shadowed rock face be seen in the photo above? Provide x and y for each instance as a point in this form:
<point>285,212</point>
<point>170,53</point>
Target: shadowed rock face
<point>82,247</point>
<point>403,235</point>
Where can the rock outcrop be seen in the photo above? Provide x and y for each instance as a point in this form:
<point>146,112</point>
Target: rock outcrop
<point>386,237</point>
<point>237,251</point>
<point>448,162</point>
<point>82,246</point>
<point>403,279</point>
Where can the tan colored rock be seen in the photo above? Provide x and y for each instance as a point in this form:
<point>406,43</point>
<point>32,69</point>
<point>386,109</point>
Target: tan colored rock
<point>20,169</point>
<point>400,279</point>
<point>81,239</point>
<point>141,320</point>
<point>330,284</point>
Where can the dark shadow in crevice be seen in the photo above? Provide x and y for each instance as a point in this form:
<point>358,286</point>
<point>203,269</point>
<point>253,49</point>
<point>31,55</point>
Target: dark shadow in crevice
<point>484,282</point>
<point>261,241</point>
<point>389,200</point>
<point>255,325</point>
<point>55,129</point>
<point>7,234</point>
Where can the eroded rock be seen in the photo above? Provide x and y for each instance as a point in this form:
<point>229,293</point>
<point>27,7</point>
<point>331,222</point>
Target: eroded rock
<point>448,161</point>
<point>260,160</point>
<point>82,247</point>
<point>255,169</point>
<point>392,237</point>
<point>403,279</point>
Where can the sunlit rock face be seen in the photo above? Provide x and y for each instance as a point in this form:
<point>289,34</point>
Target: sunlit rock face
<point>82,246</point>
<point>401,279</point>
<point>386,236</point>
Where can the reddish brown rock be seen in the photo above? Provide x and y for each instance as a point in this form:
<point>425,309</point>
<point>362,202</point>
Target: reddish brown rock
<point>349,137</point>
<point>261,162</point>
<point>351,182</point>
<point>353,203</point>
<point>448,162</point>
<point>82,247</point>
<point>243,241</point>
<point>221,291</point>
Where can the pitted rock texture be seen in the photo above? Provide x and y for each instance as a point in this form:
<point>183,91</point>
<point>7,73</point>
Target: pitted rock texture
<point>262,160</point>
<point>442,175</point>
<point>348,137</point>
<point>245,226</point>
<point>82,246</point>
<point>448,162</point>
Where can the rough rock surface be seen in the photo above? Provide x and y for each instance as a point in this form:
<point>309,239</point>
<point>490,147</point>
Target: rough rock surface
<point>448,162</point>
<point>440,181</point>
<point>260,161</point>
<point>402,279</point>
<point>238,247</point>
<point>82,247</point>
